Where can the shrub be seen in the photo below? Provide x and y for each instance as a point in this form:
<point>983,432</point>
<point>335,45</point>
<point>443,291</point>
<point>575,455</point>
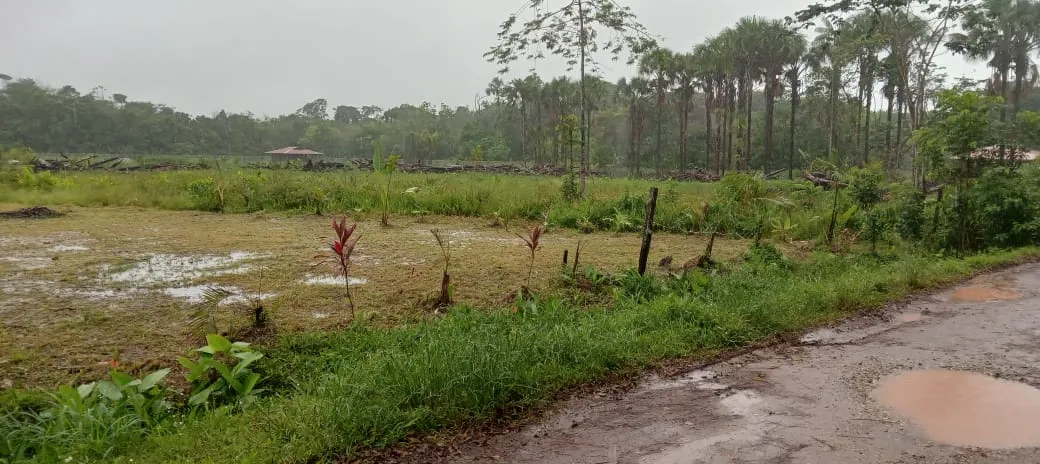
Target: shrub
<point>221,376</point>
<point>89,422</point>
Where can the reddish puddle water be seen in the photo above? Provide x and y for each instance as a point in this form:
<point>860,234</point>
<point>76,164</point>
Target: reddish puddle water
<point>967,294</point>
<point>965,409</point>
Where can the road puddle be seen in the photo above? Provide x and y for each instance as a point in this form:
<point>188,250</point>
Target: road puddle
<point>910,317</point>
<point>964,408</point>
<point>974,294</point>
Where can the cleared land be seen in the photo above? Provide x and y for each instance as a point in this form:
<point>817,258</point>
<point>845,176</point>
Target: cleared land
<point>97,283</point>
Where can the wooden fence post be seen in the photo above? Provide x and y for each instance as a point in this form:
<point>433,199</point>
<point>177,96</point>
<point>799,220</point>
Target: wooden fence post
<point>648,230</point>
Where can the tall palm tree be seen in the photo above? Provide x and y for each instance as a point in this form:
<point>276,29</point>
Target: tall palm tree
<point>656,65</point>
<point>793,75</point>
<point>828,60</point>
<point>748,37</point>
<point>684,75</point>
<point>779,47</point>
<point>715,66</point>
<point>1004,33</point>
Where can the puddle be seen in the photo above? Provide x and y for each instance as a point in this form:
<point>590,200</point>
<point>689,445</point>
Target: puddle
<point>701,380</point>
<point>964,408</point>
<point>66,248</point>
<point>971,294</point>
<point>28,264</point>
<point>321,315</point>
<point>741,403</point>
<point>166,269</point>
<point>194,294</point>
<point>332,280</point>
<point>910,317</point>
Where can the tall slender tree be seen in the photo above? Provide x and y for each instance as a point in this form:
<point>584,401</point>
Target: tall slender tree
<point>570,29</point>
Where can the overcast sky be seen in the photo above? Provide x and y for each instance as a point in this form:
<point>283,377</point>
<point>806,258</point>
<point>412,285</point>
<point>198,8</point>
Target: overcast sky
<point>272,56</point>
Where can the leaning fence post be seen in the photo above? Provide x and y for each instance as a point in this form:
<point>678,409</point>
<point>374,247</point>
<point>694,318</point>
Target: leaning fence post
<point>648,230</point>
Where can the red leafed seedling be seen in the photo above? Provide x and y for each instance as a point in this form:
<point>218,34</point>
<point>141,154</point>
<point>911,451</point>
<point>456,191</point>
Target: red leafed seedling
<point>342,247</point>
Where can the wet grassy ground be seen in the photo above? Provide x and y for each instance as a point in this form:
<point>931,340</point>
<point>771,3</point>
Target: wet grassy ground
<point>100,283</point>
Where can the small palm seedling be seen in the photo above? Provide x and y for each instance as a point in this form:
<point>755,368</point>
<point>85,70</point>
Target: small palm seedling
<point>531,241</point>
<point>342,248</point>
<point>445,298</point>
<point>204,319</point>
<point>388,171</point>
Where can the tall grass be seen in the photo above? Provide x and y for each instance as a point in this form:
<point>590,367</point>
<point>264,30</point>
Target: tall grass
<point>611,203</point>
<point>367,387</point>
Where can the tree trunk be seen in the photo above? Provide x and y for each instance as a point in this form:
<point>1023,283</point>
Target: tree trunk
<point>866,125</point>
<point>709,100</point>
<point>730,120</point>
<point>583,43</point>
<point>795,100</point>
<point>523,132</point>
<point>888,128</point>
<point>747,129</point>
<point>660,121</point>
<point>770,109</point>
<point>899,130</point>
<point>684,121</point>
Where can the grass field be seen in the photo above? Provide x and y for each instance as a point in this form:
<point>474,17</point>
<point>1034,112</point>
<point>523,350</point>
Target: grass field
<point>611,204</point>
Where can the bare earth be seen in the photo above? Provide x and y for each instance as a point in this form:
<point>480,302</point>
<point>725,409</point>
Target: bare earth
<point>819,402</point>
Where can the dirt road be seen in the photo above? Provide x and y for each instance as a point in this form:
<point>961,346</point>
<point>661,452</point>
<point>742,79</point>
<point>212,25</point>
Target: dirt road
<point>820,402</point>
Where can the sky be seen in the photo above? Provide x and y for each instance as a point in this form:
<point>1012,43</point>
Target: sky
<point>269,57</point>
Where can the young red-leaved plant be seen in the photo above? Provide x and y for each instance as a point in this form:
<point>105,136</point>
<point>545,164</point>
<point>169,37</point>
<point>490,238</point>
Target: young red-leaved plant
<point>342,248</point>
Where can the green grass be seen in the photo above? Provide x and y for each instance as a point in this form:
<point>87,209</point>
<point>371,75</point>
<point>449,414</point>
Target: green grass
<point>610,204</point>
<point>373,387</point>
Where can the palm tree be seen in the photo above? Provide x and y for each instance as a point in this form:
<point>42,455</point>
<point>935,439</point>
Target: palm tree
<point>779,47</point>
<point>793,75</point>
<point>748,38</point>
<point>828,60</point>
<point>684,74</point>
<point>713,63</point>
<point>1004,33</point>
<point>657,66</point>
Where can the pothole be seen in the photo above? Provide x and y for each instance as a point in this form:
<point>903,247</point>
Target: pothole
<point>964,408</point>
<point>975,294</point>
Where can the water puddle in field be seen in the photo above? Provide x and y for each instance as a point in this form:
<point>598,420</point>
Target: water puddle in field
<point>976,294</point>
<point>28,263</point>
<point>197,293</point>
<point>964,408</point>
<point>172,269</point>
<point>332,280</point>
<point>67,248</point>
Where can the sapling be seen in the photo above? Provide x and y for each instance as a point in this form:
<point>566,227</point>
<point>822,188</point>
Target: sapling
<point>531,241</point>
<point>342,248</point>
<point>445,245</point>
<point>388,170</point>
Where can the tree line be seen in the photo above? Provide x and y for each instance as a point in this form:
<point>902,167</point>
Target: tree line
<point>758,95</point>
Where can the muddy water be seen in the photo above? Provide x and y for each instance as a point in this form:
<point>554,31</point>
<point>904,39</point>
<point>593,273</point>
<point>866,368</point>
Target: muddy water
<point>964,408</point>
<point>910,317</point>
<point>971,294</point>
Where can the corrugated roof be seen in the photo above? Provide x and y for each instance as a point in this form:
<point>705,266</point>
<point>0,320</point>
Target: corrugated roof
<point>293,151</point>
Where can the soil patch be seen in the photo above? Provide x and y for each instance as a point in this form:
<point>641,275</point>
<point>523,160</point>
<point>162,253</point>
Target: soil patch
<point>35,212</point>
<point>964,408</point>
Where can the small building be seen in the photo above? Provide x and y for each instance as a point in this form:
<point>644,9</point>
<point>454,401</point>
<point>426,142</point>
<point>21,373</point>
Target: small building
<point>284,155</point>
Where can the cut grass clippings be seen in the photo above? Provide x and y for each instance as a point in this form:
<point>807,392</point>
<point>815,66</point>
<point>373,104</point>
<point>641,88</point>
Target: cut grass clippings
<point>369,387</point>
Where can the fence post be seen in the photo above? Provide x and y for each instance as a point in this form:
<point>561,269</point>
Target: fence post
<point>648,230</point>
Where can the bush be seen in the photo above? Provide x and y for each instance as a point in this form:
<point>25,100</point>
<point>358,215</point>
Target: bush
<point>1004,209</point>
<point>91,422</point>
